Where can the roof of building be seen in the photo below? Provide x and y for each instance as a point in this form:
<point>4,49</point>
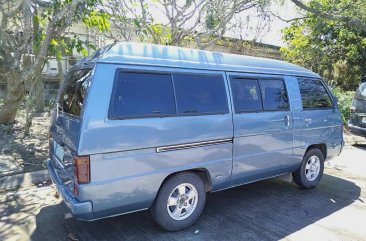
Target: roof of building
<point>170,56</point>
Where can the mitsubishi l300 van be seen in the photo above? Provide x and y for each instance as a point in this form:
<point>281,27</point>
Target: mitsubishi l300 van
<point>140,126</point>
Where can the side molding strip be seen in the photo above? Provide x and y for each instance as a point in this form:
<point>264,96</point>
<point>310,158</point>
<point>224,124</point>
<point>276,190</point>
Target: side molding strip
<point>193,145</point>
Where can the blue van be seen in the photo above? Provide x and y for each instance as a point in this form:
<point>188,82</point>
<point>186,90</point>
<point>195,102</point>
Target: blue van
<point>140,126</point>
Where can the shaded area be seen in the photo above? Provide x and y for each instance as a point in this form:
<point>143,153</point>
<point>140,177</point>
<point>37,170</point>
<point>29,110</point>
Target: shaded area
<point>266,210</point>
<point>20,153</point>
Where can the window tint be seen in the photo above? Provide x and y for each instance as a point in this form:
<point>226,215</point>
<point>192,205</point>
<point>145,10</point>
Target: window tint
<point>200,94</point>
<point>143,94</point>
<point>74,91</point>
<point>314,94</point>
<point>246,95</point>
<point>274,95</point>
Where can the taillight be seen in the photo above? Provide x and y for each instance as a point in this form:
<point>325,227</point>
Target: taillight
<point>82,169</point>
<point>352,109</point>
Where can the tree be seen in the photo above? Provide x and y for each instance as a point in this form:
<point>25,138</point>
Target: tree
<point>332,48</point>
<point>180,23</point>
<point>38,27</point>
<point>348,12</point>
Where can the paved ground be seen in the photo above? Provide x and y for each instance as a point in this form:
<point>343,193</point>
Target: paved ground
<point>267,210</point>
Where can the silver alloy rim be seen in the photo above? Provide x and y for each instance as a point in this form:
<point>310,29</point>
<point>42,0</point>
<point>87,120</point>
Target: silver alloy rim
<point>312,168</point>
<point>182,201</point>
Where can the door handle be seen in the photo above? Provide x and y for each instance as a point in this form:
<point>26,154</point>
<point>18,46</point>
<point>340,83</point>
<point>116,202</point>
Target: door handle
<point>307,120</point>
<point>287,120</point>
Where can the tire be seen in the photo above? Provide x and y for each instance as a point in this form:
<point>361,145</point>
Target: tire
<point>185,204</point>
<point>309,174</point>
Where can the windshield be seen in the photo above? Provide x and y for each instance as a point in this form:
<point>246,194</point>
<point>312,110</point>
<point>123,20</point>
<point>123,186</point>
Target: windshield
<point>361,92</point>
<point>74,91</point>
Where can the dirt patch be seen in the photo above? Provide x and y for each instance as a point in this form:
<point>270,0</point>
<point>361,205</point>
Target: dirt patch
<point>27,152</point>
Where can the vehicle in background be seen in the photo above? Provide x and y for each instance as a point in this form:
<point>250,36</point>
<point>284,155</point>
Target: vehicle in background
<point>140,126</point>
<point>357,122</point>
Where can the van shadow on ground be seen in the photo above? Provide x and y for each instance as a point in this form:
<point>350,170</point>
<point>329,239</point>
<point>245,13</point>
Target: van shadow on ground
<point>266,210</point>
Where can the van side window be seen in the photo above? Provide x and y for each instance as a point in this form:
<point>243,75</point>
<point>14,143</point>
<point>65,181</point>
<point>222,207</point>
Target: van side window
<point>246,95</point>
<point>142,95</point>
<point>200,94</point>
<point>314,94</point>
<point>274,95</point>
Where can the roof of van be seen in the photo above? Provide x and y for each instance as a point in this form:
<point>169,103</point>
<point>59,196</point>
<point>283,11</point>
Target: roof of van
<point>170,56</point>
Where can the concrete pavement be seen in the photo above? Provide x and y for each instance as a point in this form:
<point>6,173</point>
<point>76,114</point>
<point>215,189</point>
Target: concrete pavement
<point>266,210</point>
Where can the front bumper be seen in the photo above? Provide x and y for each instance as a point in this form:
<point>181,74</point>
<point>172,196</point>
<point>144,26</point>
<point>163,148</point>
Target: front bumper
<point>356,130</point>
<point>80,210</point>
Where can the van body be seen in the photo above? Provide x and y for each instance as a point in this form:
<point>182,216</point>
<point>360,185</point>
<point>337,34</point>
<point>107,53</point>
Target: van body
<point>357,122</point>
<point>134,120</point>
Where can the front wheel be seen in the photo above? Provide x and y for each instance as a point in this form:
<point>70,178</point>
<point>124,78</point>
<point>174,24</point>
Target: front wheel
<point>310,172</point>
<point>179,202</point>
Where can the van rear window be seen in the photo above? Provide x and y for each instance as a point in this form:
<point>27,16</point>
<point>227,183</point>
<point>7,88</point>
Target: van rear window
<point>142,95</point>
<point>200,94</point>
<point>161,94</point>
<point>74,91</point>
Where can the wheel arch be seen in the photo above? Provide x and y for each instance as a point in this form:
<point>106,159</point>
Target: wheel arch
<point>321,146</point>
<point>203,173</point>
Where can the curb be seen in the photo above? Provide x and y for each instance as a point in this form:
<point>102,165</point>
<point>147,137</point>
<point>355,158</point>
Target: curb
<point>23,180</point>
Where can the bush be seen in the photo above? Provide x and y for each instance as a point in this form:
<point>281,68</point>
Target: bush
<point>344,102</point>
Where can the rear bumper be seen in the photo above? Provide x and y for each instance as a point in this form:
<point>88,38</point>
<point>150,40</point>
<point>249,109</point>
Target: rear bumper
<point>356,130</point>
<point>80,210</point>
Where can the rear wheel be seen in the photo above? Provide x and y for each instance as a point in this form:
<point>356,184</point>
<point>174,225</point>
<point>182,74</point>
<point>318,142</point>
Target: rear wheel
<point>179,202</point>
<point>309,174</point>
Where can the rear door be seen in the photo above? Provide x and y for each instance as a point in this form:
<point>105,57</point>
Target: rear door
<point>66,122</point>
<point>263,130</point>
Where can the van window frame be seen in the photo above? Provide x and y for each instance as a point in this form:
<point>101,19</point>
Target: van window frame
<point>259,78</point>
<point>201,113</point>
<point>171,73</point>
<point>330,95</point>
<point>59,107</point>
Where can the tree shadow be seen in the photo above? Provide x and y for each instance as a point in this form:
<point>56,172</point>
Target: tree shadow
<point>266,210</point>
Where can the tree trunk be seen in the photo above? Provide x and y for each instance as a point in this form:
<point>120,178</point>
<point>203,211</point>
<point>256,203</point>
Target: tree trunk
<point>60,71</point>
<point>14,96</point>
<point>38,94</point>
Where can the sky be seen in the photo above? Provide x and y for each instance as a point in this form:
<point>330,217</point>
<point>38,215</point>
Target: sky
<point>252,27</point>
<point>272,33</point>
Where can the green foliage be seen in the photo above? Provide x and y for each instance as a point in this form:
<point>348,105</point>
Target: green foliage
<point>331,48</point>
<point>97,19</point>
<point>344,102</point>
<point>88,13</point>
